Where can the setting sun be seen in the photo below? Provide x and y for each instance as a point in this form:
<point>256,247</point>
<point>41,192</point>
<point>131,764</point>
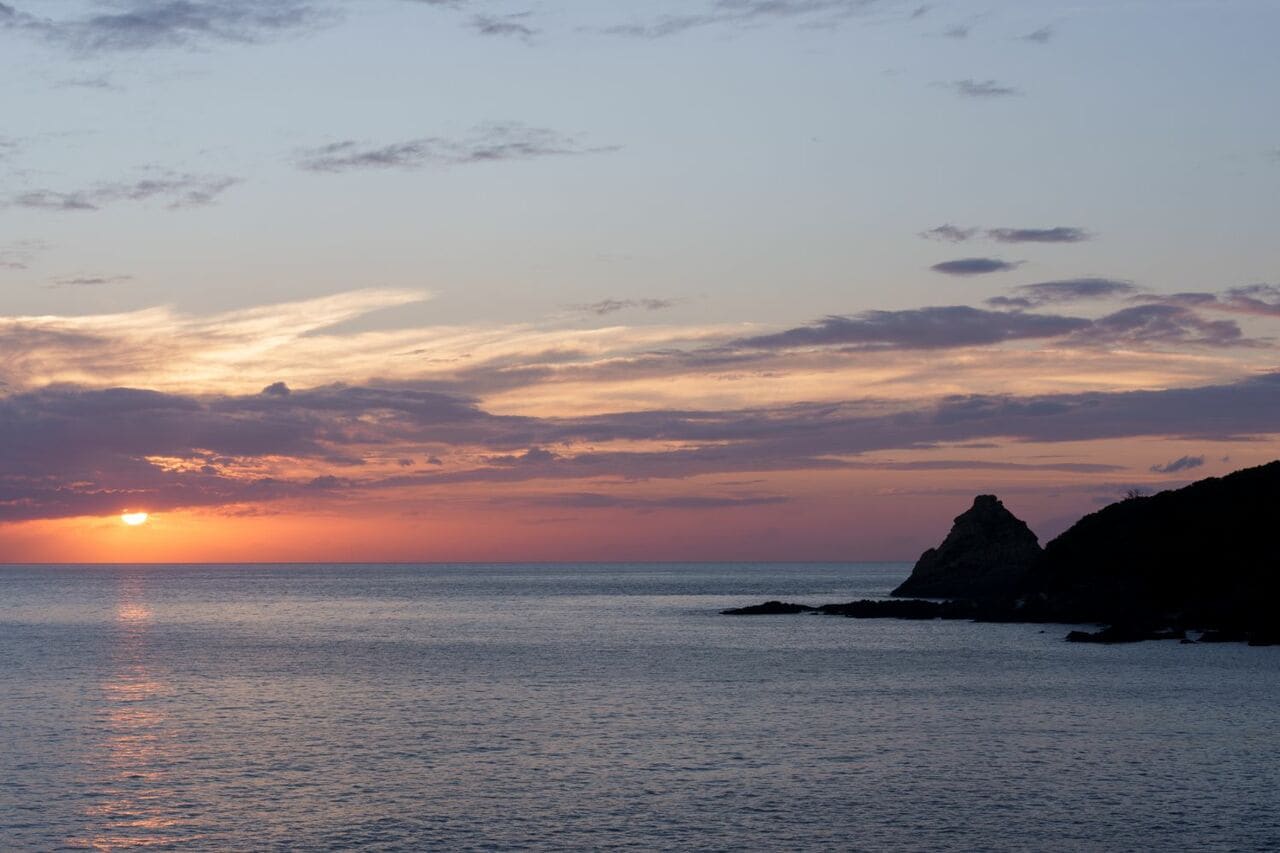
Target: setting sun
<point>133,519</point>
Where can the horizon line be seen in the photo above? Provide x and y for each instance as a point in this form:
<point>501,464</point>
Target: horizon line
<point>5,565</point>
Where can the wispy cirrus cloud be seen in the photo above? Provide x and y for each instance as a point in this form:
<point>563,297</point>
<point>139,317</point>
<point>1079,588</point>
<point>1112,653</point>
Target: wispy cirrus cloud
<point>101,82</point>
<point>174,190</point>
<point>139,25</point>
<point>598,500</point>
<point>971,88</point>
<point>159,346</point>
<point>1262,300</point>
<point>975,266</point>
<point>813,13</point>
<point>514,25</point>
<point>88,280</point>
<point>163,348</point>
<point>485,144</point>
<point>1041,35</point>
<point>1062,291</point>
<point>611,305</point>
<point>557,367</point>
<point>20,254</point>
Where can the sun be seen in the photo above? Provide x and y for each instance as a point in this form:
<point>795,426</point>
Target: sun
<point>133,519</point>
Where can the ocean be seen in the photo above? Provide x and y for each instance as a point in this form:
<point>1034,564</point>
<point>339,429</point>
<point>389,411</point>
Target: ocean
<point>549,707</point>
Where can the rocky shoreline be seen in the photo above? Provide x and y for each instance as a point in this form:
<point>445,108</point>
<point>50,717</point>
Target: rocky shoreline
<point>917,609</point>
<point>1197,560</point>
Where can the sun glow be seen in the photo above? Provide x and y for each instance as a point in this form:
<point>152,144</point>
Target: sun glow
<point>133,519</point>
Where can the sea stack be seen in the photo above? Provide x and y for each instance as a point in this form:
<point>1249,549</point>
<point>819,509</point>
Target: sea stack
<point>988,552</point>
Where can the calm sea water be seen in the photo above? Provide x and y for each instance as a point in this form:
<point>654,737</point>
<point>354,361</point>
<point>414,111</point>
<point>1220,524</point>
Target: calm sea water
<point>601,706</point>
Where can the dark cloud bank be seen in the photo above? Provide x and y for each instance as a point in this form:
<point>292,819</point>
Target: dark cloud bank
<point>939,327</point>
<point>68,451</point>
<point>950,326</point>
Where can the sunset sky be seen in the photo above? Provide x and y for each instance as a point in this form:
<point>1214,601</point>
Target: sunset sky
<point>569,280</point>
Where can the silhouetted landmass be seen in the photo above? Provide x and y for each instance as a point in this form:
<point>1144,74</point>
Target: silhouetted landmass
<point>866,609</point>
<point>910,609</point>
<point>988,551</point>
<point>1124,633</point>
<point>769,608</point>
<point>1205,558</point>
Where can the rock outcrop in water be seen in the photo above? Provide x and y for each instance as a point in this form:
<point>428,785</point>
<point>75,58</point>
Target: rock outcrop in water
<point>1205,558</point>
<point>769,608</point>
<point>988,552</point>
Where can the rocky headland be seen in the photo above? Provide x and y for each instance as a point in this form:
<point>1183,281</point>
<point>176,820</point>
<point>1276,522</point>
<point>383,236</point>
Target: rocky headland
<point>988,551</point>
<point>1204,558</point>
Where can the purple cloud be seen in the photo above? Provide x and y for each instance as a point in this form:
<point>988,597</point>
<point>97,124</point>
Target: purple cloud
<point>1058,234</point>
<point>921,328</point>
<point>1066,290</point>
<point>974,266</point>
<point>1145,325</point>
<point>69,451</point>
<point>1262,300</point>
<point>1184,463</point>
<point>949,233</point>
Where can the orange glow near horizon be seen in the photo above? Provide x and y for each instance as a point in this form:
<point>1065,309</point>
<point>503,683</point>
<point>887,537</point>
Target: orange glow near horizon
<point>884,510</point>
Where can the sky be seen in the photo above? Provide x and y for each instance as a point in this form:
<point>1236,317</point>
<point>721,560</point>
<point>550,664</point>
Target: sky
<point>539,280</point>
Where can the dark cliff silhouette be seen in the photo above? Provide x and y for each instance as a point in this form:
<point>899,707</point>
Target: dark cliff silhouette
<point>1205,557</point>
<point>988,551</point>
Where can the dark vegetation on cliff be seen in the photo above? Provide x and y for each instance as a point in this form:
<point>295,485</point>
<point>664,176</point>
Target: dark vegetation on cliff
<point>1203,558</point>
<point>1207,555</point>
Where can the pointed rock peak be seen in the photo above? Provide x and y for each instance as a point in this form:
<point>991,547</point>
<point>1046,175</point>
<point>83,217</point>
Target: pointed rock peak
<point>988,505</point>
<point>988,552</point>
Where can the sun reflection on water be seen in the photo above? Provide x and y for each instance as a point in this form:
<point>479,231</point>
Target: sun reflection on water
<point>129,767</point>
